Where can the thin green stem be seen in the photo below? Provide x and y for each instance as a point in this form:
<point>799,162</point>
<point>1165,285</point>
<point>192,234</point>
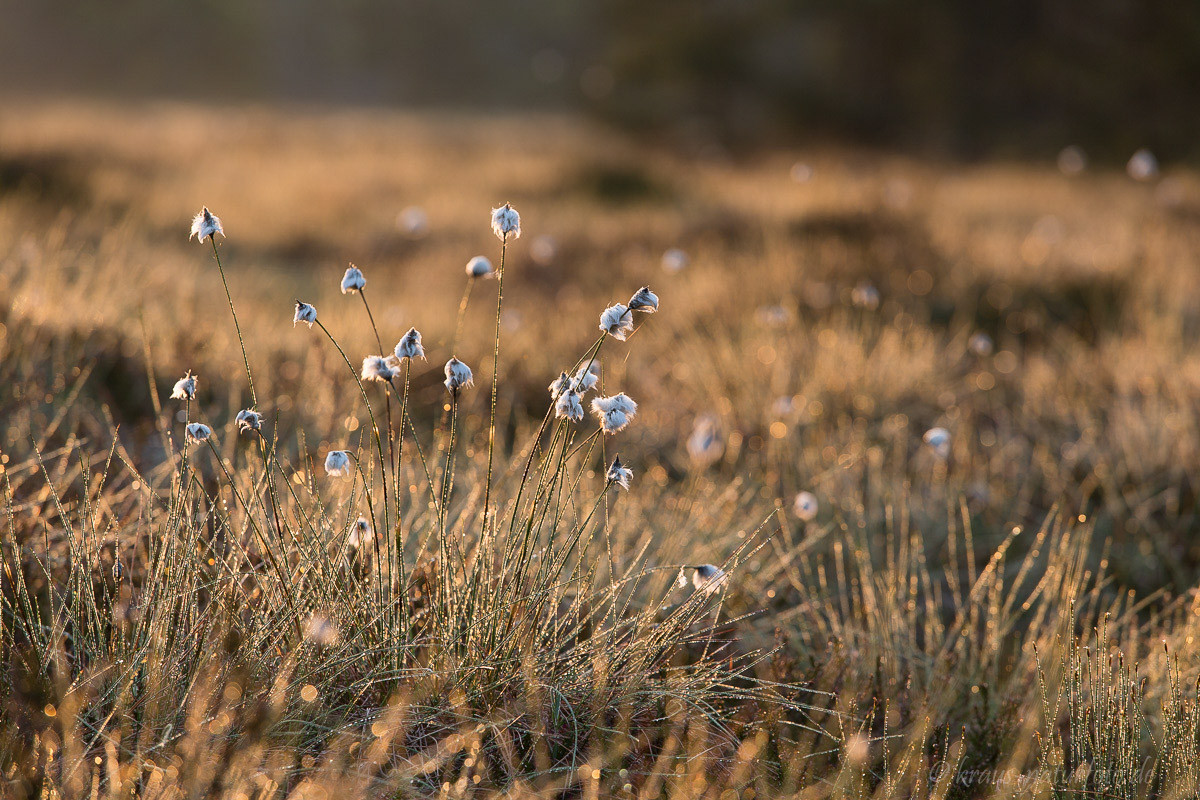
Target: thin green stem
<point>237,327</point>
<point>487,487</point>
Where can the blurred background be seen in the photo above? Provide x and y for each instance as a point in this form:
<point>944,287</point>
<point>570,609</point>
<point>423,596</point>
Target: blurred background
<point>1024,77</point>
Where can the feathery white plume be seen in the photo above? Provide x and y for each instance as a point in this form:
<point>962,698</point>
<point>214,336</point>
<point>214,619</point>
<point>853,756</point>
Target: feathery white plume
<point>568,405</point>
<point>376,368</point>
<point>337,464</point>
<point>198,432</point>
<point>458,376</point>
<point>805,506</point>
<point>353,280</point>
<point>559,385</point>
<point>644,300</point>
<point>614,412</point>
<point>410,345</point>
<point>505,222</point>
<point>587,376</point>
<point>674,260</point>
<point>249,420</point>
<point>938,440</point>
<point>708,578</point>
<point>705,445</point>
<point>304,313</point>
<point>619,474</point>
<point>981,345</point>
<point>617,321</point>
<point>480,267</point>
<point>360,533</point>
<point>185,388</point>
<point>205,224</point>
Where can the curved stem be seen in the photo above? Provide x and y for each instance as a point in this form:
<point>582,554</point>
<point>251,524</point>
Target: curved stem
<point>487,487</point>
<point>237,327</point>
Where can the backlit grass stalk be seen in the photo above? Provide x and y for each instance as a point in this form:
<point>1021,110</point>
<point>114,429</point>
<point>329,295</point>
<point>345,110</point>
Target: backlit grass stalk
<point>237,327</point>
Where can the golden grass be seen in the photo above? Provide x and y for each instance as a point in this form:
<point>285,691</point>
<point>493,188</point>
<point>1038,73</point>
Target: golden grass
<point>956,612</point>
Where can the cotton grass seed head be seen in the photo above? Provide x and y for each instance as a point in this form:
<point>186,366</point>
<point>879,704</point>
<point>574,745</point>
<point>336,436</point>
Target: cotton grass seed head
<point>458,376</point>
<point>705,446</point>
<point>249,420</point>
<point>674,259</point>
<point>337,464</point>
<point>865,296</point>
<point>569,405</point>
<point>198,432</point>
<point>708,578</point>
<point>619,474</point>
<point>559,385</point>
<point>615,412</point>
<point>644,300</point>
<point>321,631</point>
<point>205,224</point>
<point>938,440</point>
<point>587,376</point>
<point>377,368</point>
<point>410,345</point>
<point>353,280</point>
<point>805,506</point>
<point>617,321</point>
<point>361,533</point>
<point>185,388</point>
<point>506,222</point>
<point>981,345</point>
<point>304,313</point>
<point>480,267</point>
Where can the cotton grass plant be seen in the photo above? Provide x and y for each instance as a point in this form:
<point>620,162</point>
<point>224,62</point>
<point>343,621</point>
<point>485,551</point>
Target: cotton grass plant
<point>421,593</point>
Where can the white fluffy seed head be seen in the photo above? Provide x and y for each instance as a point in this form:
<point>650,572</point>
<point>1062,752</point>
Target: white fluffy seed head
<point>619,474</point>
<point>304,313</point>
<point>337,464</point>
<point>865,296</point>
<point>569,405</point>
<point>458,376</point>
<point>559,385</point>
<point>1142,165</point>
<point>361,532</point>
<point>249,420</point>
<point>353,280</point>
<point>205,224</point>
<point>617,321</point>
<point>480,267</point>
<point>709,578</point>
<point>705,445</point>
<point>981,345</point>
<point>674,259</point>
<point>410,345</point>
<point>615,412</point>
<point>198,432</point>
<point>587,376</point>
<point>506,222</point>
<point>377,368</point>
<point>938,440</point>
<point>322,631</point>
<point>185,388</point>
<point>644,300</point>
<point>805,506</point>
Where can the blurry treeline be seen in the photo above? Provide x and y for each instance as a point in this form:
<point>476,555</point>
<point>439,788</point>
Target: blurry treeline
<point>1017,77</point>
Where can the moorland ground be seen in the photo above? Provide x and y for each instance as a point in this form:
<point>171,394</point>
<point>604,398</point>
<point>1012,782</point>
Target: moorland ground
<point>944,619</point>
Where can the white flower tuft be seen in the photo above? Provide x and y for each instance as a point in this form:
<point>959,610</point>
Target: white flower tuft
<point>1142,165</point>
<point>322,631</point>
<point>865,295</point>
<point>304,313</point>
<point>981,345</point>
<point>559,385</point>
<point>674,259</point>
<point>249,420</point>
<point>337,464</point>
<point>198,432</point>
<point>938,440</point>
<point>185,388</point>
<point>617,321</point>
<point>353,280</point>
<point>361,532</point>
<point>568,405</point>
<point>709,579</point>
<point>506,222</point>
<point>480,267</point>
<point>410,346</point>
<point>704,445</point>
<point>205,224</point>
<point>377,368</point>
<point>458,376</point>
<point>619,474</point>
<point>644,300</point>
<point>614,412</point>
<point>587,376</point>
<point>413,221</point>
<point>805,506</point>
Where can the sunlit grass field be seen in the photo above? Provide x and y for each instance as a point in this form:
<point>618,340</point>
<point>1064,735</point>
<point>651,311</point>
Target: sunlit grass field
<point>1009,614</point>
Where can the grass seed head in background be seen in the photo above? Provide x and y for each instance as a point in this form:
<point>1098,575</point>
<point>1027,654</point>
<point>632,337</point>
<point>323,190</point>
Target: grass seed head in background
<point>617,321</point>
<point>458,376</point>
<point>480,267</point>
<point>410,346</point>
<point>338,465</point>
<point>353,280</point>
<point>185,388</point>
<point>304,313</point>
<point>205,225</point>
